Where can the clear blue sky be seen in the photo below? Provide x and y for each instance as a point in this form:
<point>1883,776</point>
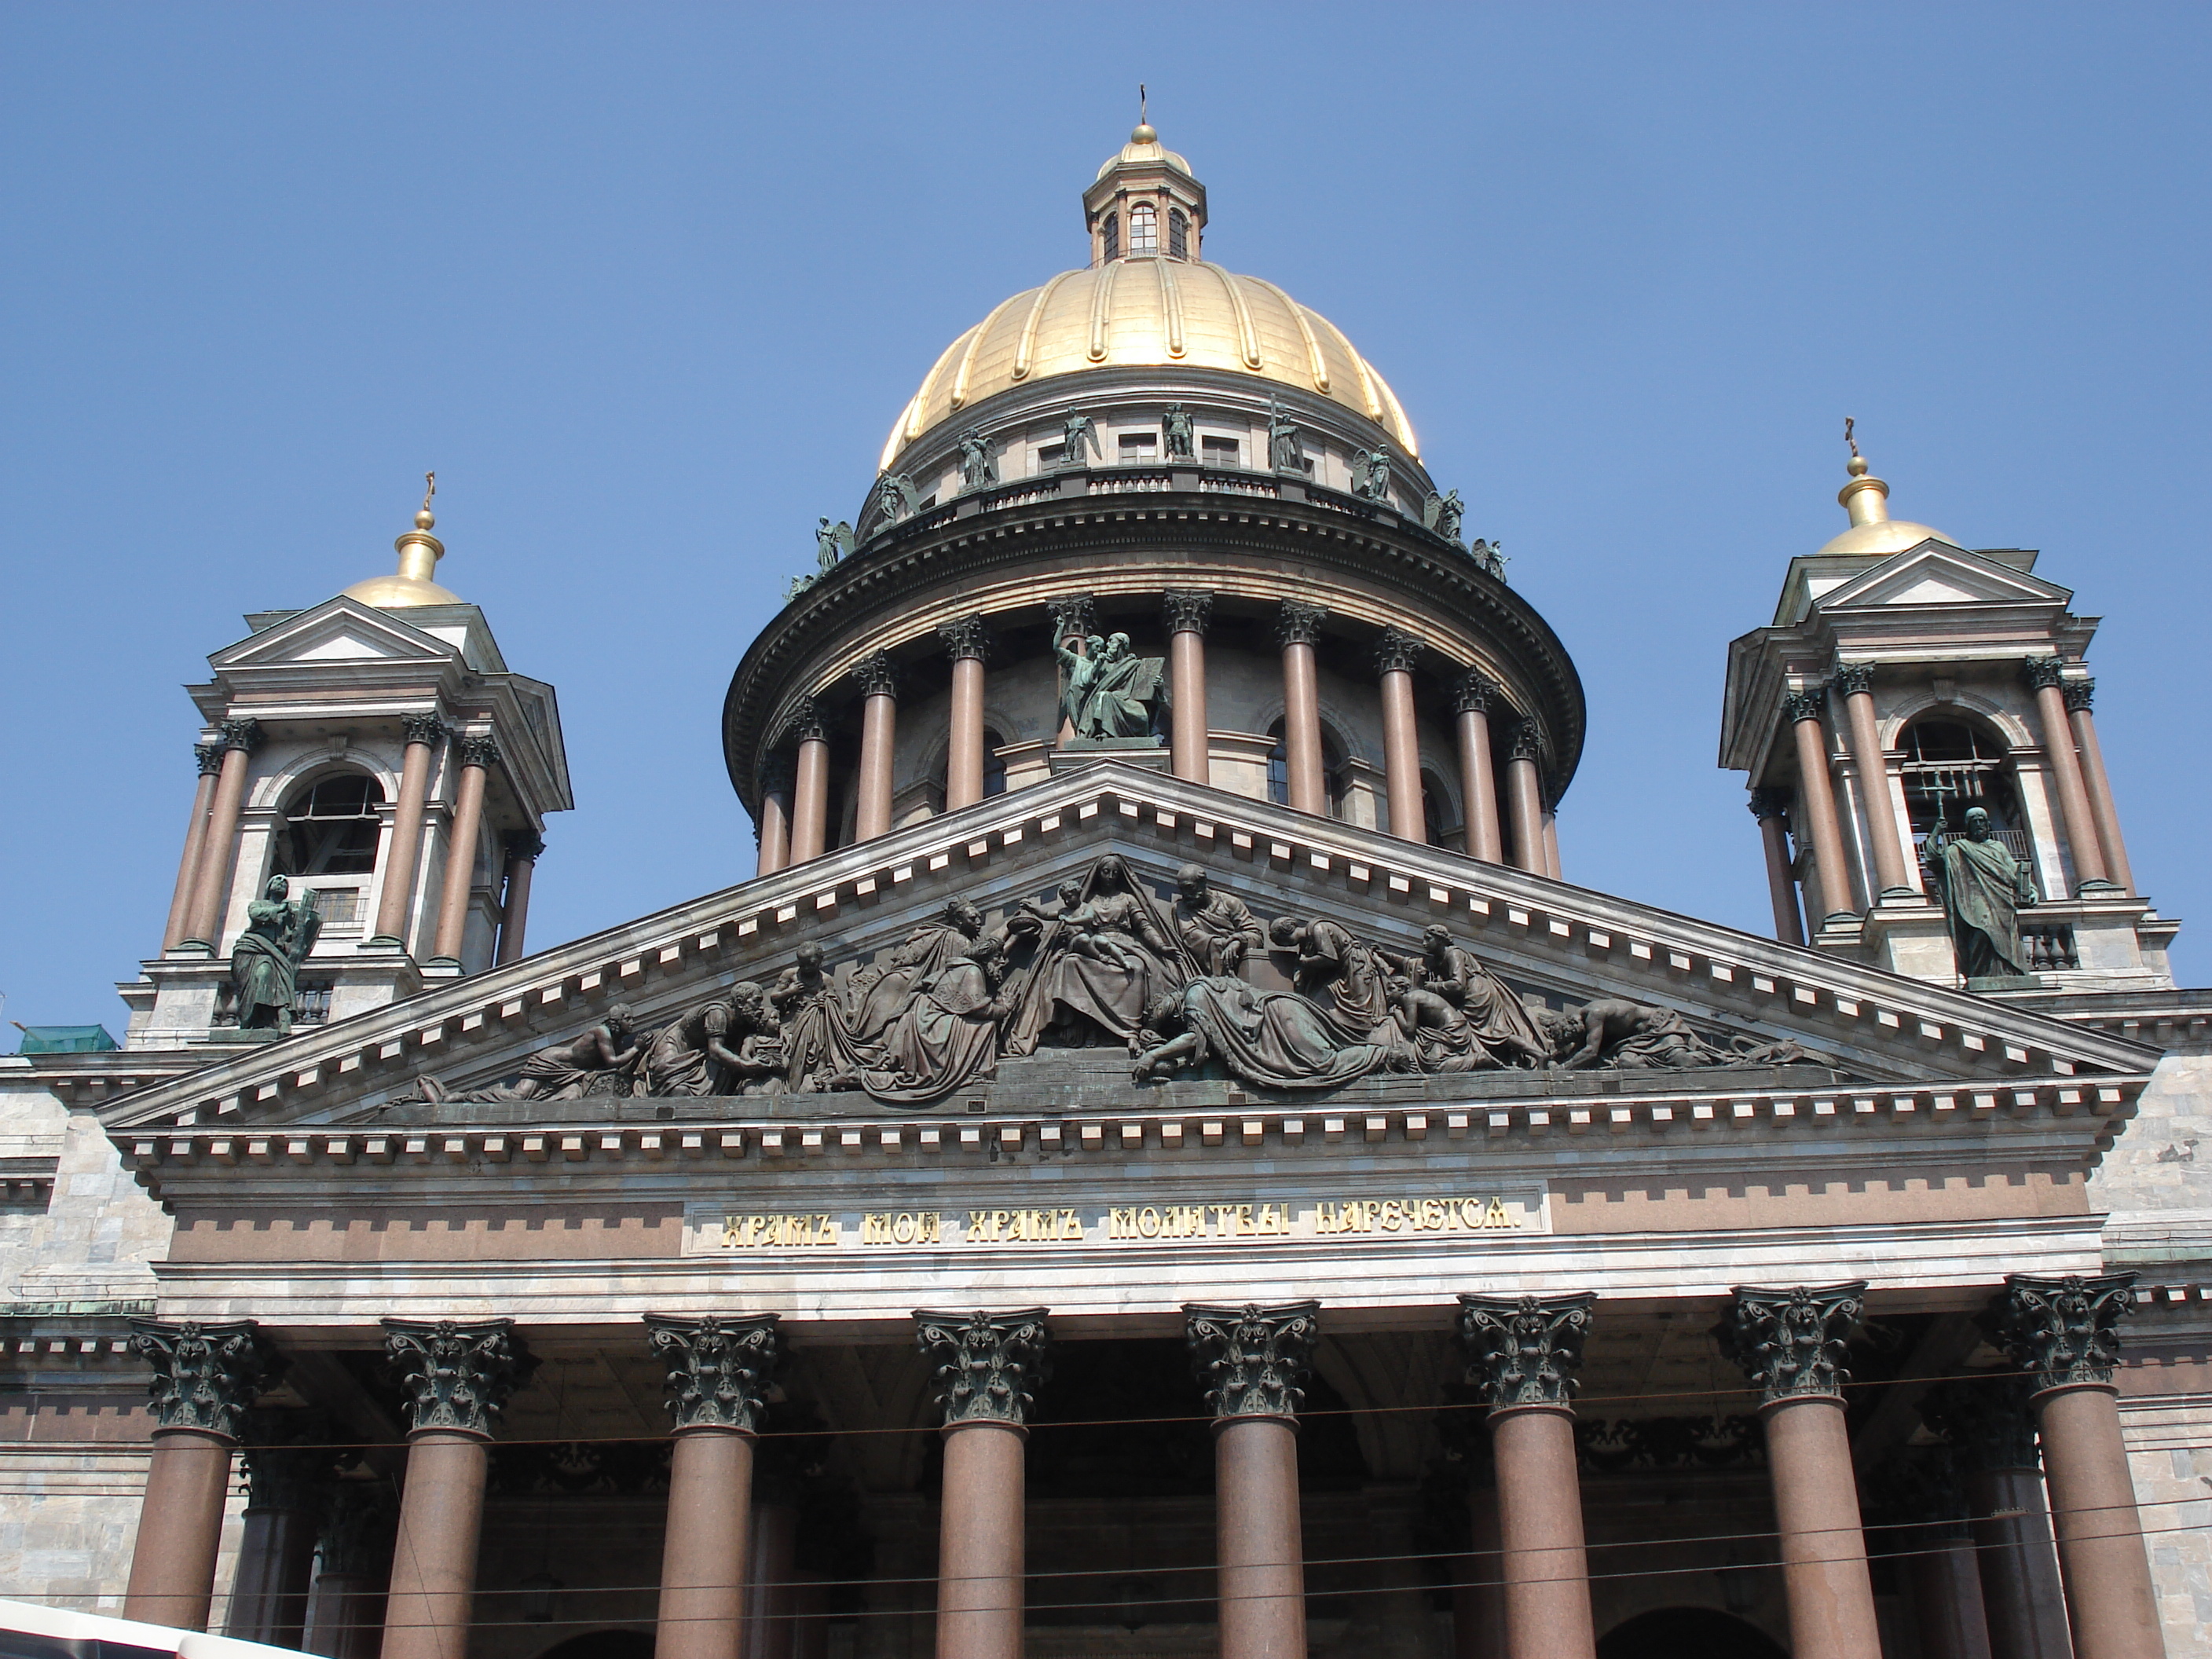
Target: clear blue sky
<point>647,284</point>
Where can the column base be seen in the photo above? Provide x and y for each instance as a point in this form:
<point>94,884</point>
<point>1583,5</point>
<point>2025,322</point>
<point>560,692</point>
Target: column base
<point>383,942</point>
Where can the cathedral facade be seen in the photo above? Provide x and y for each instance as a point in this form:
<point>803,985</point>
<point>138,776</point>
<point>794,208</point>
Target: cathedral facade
<point>1159,1159</point>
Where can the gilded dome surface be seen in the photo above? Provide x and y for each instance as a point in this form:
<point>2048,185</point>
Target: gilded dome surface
<point>1885,536</point>
<point>1152,313</point>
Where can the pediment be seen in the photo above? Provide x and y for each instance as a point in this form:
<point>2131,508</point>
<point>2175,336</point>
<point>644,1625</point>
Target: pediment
<point>1565,944</point>
<point>337,630</point>
<point>1936,573</point>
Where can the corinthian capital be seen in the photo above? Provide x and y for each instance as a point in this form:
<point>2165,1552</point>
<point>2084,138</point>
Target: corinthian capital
<point>458,1374</point>
<point>1770,804</point>
<point>986,1364</point>
<point>1985,1421</point>
<point>2061,1331</point>
<point>478,751</point>
<point>1801,706</point>
<point>1851,678</point>
<point>1298,622</point>
<point>718,1369</point>
<point>1525,1351</point>
<point>1075,616</point>
<point>2042,671</point>
<point>1527,742</point>
<point>1790,1342</point>
<point>877,674</point>
<point>806,723</point>
<point>1477,692</point>
<point>2081,695</point>
<point>244,734</point>
<point>424,728</point>
<point>205,1376</point>
<point>1397,652</point>
<point>1188,610</point>
<point>208,757</point>
<point>1253,1360</point>
<point>968,638</point>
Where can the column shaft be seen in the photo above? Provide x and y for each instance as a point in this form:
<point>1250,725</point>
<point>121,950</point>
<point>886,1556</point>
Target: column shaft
<point>1401,756</point>
<point>460,860</point>
<point>1781,884</point>
<point>1261,1551</point>
<point>1946,1600</point>
<point>1478,786</point>
<point>1187,755</point>
<point>1309,780</point>
<point>275,1570</point>
<point>1551,846</point>
<point>188,866</point>
<point>878,736</point>
<point>1816,1508</point>
<point>1524,805</point>
<point>211,884</point>
<point>514,914</point>
<point>1891,874</point>
<point>964,747</point>
<point>2023,1606</point>
<point>400,857</point>
<point>345,1616</point>
<point>2073,795</point>
<point>702,1563</point>
<point>810,805</point>
<point>2093,1510</point>
<point>980,1558</point>
<point>2101,805</point>
<point>433,1565</point>
<point>1816,794</point>
<point>776,828</point>
<point>179,1525</point>
<point>1544,1565</point>
<point>770,1560</point>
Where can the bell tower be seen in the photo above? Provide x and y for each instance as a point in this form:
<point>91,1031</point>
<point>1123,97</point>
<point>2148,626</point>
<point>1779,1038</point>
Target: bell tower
<point>1905,682</point>
<point>376,753</point>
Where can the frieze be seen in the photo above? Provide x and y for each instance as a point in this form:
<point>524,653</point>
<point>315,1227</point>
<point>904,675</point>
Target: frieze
<point>713,1229</point>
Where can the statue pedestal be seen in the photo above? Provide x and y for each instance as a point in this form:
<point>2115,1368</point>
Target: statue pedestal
<point>1911,938</point>
<point>1078,752</point>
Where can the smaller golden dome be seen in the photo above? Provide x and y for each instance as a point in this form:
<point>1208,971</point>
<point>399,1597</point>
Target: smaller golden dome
<point>419,552</point>
<point>1873,531</point>
<point>1144,145</point>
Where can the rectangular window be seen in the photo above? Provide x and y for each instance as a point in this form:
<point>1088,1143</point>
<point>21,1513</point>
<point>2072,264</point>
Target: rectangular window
<point>1050,456</point>
<point>1139,445</point>
<point>339,907</point>
<point>1221,452</point>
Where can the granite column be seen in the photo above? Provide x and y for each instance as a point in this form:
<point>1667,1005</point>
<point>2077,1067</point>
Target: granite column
<point>1397,655</point>
<point>1187,613</point>
<point>2080,696</point>
<point>809,796</point>
<point>477,756</point>
<point>774,816</point>
<point>1989,1427</point>
<point>1524,799</point>
<point>396,888</point>
<point>209,758</point>
<point>1772,808</point>
<point>877,679</point>
<point>522,848</point>
<point>1891,875</point>
<point>968,642</point>
<point>1297,626</point>
<point>211,880</point>
<point>2047,677</point>
<point>1816,796</point>
<point>1478,779</point>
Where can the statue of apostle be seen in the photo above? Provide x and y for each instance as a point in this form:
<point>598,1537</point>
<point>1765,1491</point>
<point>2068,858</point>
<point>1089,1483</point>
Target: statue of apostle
<point>1983,887</point>
<point>264,962</point>
<point>1218,929</point>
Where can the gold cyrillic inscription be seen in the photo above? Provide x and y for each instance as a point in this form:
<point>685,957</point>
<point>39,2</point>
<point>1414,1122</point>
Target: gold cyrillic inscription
<point>902,1227</point>
<point>746,1231</point>
<point>1413,1215</point>
<point>1024,1227</point>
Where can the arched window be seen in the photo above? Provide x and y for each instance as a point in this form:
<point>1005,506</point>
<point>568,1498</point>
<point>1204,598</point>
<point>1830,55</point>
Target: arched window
<point>1109,236</point>
<point>330,828</point>
<point>994,764</point>
<point>1953,762</point>
<point>1178,236</point>
<point>1331,767</point>
<point>1144,228</point>
<point>1440,822</point>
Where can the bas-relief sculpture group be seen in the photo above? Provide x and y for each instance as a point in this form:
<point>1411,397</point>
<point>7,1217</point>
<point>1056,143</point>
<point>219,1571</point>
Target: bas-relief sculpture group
<point>1104,962</point>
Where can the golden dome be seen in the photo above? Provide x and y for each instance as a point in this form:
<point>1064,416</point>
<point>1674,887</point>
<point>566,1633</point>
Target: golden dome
<point>419,552</point>
<point>1144,146</point>
<point>1873,531</point>
<point>1152,313</point>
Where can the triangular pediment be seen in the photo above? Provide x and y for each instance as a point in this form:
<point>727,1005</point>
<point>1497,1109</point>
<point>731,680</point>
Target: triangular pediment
<point>1936,573</point>
<point>337,630</point>
<point>1565,944</point>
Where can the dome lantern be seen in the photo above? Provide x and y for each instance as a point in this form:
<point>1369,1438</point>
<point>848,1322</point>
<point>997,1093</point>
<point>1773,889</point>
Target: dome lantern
<point>1145,203</point>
